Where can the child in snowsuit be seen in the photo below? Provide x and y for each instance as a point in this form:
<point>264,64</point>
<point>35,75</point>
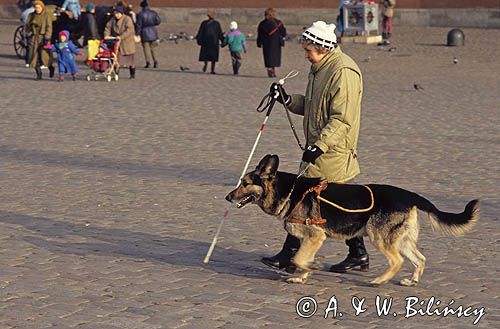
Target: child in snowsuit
<point>236,41</point>
<point>65,59</point>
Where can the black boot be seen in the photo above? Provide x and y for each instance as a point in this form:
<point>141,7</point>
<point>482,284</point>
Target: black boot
<point>132,72</point>
<point>51,71</point>
<point>212,69</point>
<point>283,259</point>
<point>358,256</point>
<point>147,65</point>
<point>38,71</point>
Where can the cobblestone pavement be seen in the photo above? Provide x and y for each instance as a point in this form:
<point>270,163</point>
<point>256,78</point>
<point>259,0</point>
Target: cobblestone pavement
<point>111,192</point>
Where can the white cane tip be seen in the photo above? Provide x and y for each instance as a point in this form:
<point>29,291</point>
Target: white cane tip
<point>281,81</point>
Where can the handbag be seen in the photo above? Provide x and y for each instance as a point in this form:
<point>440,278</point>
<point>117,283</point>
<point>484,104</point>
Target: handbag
<point>137,38</point>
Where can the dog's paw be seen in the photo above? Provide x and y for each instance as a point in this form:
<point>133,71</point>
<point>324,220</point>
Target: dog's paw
<point>408,283</point>
<point>296,280</point>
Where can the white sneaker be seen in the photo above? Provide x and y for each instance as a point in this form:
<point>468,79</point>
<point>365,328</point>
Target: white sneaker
<point>43,67</point>
<point>27,65</point>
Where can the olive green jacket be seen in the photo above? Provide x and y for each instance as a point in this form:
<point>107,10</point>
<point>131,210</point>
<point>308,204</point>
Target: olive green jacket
<point>331,108</point>
<point>39,27</point>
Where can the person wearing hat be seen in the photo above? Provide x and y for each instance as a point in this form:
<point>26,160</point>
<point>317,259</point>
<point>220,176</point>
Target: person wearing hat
<point>331,108</point>
<point>209,37</point>
<point>236,41</point>
<point>270,37</point>
<point>121,27</point>
<point>90,31</point>
<point>39,31</point>
<point>147,21</point>
<point>66,50</point>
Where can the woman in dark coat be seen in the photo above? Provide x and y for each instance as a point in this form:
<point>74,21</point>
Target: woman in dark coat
<point>270,34</point>
<point>209,37</point>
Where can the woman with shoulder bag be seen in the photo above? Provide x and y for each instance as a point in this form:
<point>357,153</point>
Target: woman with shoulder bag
<point>270,37</point>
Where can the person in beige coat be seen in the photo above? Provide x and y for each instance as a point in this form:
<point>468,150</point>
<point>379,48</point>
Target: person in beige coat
<point>387,13</point>
<point>331,108</point>
<point>121,27</point>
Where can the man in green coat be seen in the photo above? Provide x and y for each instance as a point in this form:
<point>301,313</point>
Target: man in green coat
<point>331,108</point>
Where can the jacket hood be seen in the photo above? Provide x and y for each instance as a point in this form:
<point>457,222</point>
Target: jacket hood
<point>66,33</point>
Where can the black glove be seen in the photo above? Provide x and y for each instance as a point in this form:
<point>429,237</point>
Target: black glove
<point>284,96</point>
<point>311,154</point>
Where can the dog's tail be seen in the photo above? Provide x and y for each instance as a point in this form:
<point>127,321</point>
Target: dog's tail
<point>450,223</point>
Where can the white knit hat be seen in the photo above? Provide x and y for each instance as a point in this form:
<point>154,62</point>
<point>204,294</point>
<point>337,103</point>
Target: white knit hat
<point>233,25</point>
<point>321,34</point>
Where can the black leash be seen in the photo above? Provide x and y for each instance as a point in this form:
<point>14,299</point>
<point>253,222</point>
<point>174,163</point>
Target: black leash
<point>267,103</point>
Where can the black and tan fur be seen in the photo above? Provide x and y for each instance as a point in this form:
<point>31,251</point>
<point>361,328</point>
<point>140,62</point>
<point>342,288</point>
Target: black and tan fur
<point>391,224</point>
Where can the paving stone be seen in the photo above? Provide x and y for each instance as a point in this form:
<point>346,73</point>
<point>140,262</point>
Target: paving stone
<point>112,192</point>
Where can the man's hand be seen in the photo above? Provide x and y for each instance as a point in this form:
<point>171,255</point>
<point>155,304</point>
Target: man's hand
<point>311,154</point>
<point>275,88</point>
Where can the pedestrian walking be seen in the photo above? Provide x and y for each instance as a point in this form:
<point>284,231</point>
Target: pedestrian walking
<point>121,27</point>
<point>331,108</point>
<point>39,31</point>
<point>147,21</point>
<point>209,37</point>
<point>65,50</point>
<point>270,37</point>
<point>236,41</point>
<point>90,31</point>
<point>387,13</point>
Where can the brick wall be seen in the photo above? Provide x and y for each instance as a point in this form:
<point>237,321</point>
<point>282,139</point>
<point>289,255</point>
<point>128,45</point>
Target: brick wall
<point>495,4</point>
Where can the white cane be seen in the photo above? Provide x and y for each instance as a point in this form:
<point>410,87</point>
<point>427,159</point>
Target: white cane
<point>292,74</point>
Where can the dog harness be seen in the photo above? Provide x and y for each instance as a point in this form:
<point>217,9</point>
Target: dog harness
<point>294,218</point>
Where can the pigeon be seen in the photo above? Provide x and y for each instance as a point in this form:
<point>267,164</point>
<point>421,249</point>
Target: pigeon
<point>418,87</point>
<point>455,60</point>
<point>184,68</point>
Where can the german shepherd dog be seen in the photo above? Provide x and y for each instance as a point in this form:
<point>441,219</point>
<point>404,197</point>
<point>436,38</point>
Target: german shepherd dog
<point>390,223</point>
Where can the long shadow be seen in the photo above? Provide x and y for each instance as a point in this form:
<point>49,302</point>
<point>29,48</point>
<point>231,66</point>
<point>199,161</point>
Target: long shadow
<point>186,172</point>
<point>207,74</point>
<point>432,44</point>
<point>5,77</point>
<point>9,56</point>
<point>118,243</point>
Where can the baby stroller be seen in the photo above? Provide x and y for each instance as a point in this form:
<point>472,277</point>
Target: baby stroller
<point>103,59</point>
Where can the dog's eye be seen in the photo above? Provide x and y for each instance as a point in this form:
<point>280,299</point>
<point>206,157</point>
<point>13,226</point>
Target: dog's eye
<point>244,184</point>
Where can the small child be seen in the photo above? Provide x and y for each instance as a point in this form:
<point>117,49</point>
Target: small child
<point>237,43</point>
<point>65,59</point>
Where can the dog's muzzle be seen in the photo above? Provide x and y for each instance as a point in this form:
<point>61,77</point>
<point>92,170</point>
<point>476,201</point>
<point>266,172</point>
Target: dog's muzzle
<point>243,202</point>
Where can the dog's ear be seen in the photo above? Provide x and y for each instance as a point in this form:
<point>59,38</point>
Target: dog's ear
<point>268,166</point>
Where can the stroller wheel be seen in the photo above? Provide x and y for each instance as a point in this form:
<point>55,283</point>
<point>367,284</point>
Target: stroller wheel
<point>108,78</point>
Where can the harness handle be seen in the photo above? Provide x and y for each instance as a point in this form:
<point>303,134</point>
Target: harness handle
<point>351,210</point>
